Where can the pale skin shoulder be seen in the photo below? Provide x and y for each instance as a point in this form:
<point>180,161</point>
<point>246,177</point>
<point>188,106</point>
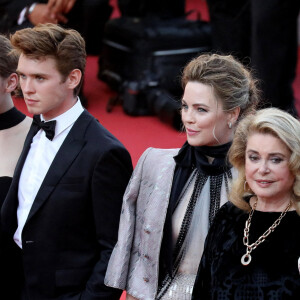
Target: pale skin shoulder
<point>11,145</point>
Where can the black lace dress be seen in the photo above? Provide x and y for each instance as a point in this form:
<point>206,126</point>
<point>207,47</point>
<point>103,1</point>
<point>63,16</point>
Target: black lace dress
<point>273,272</point>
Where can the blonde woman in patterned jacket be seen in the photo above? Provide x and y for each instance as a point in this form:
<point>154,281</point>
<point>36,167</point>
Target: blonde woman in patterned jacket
<point>174,194</point>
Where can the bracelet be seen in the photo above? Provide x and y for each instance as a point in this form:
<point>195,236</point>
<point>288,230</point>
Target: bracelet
<point>30,9</point>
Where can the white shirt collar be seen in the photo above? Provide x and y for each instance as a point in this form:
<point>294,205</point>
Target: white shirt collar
<point>66,119</point>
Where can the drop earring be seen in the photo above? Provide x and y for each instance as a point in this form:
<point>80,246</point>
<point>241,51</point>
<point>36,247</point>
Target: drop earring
<point>246,186</point>
<point>229,125</point>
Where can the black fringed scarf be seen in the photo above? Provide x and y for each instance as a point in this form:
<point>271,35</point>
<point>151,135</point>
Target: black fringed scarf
<point>187,160</point>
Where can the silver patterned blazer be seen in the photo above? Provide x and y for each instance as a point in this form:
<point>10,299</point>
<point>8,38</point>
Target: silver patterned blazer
<point>134,262</point>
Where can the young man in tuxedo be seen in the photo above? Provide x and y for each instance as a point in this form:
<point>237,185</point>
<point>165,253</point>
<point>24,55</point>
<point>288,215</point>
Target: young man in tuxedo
<point>62,209</point>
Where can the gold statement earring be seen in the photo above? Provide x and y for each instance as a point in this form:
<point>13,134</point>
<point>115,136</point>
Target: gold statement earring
<point>246,188</point>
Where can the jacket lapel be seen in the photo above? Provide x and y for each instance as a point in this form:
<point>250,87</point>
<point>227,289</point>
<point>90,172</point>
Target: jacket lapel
<point>64,158</point>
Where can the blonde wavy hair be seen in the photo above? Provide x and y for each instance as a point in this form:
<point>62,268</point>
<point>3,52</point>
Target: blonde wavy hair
<point>267,121</point>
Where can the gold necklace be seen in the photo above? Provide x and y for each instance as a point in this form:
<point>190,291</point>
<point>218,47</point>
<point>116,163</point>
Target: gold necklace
<point>246,258</point>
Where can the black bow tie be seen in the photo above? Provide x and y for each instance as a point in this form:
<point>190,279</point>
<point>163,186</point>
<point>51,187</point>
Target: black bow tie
<point>48,127</point>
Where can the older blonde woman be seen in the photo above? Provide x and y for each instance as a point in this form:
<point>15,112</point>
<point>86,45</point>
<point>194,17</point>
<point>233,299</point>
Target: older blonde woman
<point>252,250</point>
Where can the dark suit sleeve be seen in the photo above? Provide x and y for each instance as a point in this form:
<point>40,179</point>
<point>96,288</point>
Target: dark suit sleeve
<point>109,181</point>
<point>10,11</point>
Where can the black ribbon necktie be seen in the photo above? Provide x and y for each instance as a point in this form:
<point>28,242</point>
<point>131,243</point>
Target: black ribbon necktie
<point>48,127</point>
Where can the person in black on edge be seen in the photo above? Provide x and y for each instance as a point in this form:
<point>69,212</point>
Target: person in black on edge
<point>264,32</point>
<point>14,127</point>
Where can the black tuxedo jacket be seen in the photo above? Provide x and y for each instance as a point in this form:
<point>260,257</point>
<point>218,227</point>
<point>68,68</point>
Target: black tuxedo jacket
<point>72,226</point>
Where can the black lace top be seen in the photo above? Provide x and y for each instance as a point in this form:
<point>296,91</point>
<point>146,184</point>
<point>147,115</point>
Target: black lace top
<point>273,272</point>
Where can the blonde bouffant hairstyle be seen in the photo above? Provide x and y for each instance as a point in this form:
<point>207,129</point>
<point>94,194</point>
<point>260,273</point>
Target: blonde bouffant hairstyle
<point>272,121</point>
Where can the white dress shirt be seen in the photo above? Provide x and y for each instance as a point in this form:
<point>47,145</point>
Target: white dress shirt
<point>40,157</point>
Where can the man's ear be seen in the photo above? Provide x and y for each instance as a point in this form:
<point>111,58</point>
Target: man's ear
<point>11,83</point>
<point>74,78</point>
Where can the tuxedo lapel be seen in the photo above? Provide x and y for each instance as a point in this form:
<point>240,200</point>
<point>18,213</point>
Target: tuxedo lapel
<point>64,158</point>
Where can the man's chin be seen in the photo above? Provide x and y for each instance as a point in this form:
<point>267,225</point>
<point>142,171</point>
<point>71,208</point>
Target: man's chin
<point>33,111</point>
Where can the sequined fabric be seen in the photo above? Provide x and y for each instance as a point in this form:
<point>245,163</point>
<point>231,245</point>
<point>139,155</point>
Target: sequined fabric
<point>181,288</point>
